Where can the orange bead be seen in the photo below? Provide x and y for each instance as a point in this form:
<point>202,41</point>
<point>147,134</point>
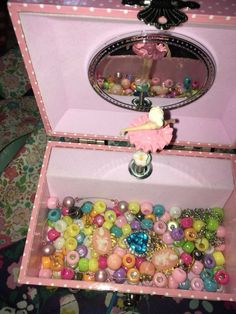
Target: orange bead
<point>128,260</point>
<point>190,234</point>
<point>147,268</point>
<point>151,216</point>
<point>46,262</point>
<point>88,277</point>
<point>133,275</point>
<point>92,214</point>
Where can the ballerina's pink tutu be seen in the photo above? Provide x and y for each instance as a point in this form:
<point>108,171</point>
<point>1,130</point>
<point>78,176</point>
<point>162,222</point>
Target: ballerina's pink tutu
<point>149,140</point>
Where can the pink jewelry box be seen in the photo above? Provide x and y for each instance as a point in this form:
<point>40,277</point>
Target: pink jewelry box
<point>57,40</point>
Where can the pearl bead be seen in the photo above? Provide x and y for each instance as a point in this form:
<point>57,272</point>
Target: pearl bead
<point>123,206</point>
<point>197,284</point>
<point>101,275</point>
<point>159,280</point>
<point>68,201</point>
<point>48,249</point>
<point>175,212</point>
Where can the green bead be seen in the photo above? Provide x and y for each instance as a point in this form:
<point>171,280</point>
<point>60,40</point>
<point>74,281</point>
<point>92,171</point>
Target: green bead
<point>209,235</point>
<point>218,211</point>
<point>188,247</point>
<point>216,268</point>
<point>50,223</point>
<point>106,85</point>
<point>83,264</point>
<point>179,243</point>
<point>198,224</point>
<point>212,224</point>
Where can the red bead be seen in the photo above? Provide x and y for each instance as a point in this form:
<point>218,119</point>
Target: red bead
<point>186,222</point>
<point>53,234</point>
<point>221,277</point>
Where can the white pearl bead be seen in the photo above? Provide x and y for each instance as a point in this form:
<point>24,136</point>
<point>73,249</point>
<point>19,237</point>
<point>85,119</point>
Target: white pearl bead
<point>175,212</point>
<point>59,243</point>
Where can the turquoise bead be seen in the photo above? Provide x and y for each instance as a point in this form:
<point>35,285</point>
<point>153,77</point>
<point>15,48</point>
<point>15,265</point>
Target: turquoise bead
<point>80,238</point>
<point>116,231</point>
<point>86,207</point>
<point>54,214</point>
<point>210,285</point>
<point>206,273</point>
<point>185,285</point>
<point>158,210</point>
<point>147,224</point>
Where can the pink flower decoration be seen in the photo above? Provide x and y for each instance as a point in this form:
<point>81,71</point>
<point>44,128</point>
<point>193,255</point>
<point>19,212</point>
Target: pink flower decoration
<point>153,51</point>
<point>10,173</point>
<point>13,270</point>
<point>149,140</point>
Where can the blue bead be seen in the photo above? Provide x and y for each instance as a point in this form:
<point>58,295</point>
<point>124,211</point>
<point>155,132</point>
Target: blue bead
<point>54,214</point>
<point>158,210</point>
<point>210,285</point>
<point>185,285</point>
<point>86,207</point>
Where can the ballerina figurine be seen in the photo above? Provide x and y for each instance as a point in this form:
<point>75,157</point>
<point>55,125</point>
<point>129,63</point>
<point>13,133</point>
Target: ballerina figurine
<point>155,122</point>
<point>150,132</point>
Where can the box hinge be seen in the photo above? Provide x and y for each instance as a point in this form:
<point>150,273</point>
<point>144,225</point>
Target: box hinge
<point>91,141</point>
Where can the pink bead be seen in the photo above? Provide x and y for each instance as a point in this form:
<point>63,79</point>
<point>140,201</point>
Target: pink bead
<point>165,217</point>
<point>179,275</point>
<point>116,210</point>
<point>67,273</point>
<point>146,208</point>
<point>120,221</point>
<point>64,211</point>
<point>138,261</point>
<point>186,258</point>
<point>168,83</point>
<point>220,248</point>
<point>114,261</point>
<point>53,234</point>
<point>128,91</point>
<point>197,284</point>
<point>72,258</point>
<point>52,202</point>
<point>172,283</point>
<point>125,83</point>
<point>197,267</point>
<point>102,262</point>
<point>221,232</point>
<point>167,238</point>
<point>121,252</point>
<point>155,81</point>
<point>186,222</point>
<point>159,227</point>
<point>191,275</point>
<point>159,280</point>
<point>98,220</point>
<point>45,273</point>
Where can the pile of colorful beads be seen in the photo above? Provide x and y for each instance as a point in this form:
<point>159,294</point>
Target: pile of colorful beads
<point>154,87</point>
<point>134,243</point>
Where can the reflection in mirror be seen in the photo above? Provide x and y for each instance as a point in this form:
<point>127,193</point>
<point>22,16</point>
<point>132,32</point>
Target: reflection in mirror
<point>138,71</point>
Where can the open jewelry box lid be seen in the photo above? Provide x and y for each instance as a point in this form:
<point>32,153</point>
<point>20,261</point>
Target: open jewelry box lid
<point>58,39</point>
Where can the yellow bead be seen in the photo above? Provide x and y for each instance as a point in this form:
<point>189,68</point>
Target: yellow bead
<point>99,206</point>
<point>121,242</point>
<point>68,220</point>
<point>71,244</point>
<point>202,244</point>
<point>107,225</point>
<point>134,207</point>
<point>198,224</point>
<point>93,265</point>
<point>88,230</point>
<point>110,215</point>
<point>219,258</point>
<point>73,230</point>
<point>94,254</point>
<point>66,234</point>
<point>46,262</point>
<point>126,229</point>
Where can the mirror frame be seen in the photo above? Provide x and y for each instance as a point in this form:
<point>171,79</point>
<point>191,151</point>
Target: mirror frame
<point>166,38</point>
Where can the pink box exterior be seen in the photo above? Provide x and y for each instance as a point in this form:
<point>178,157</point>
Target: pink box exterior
<point>29,267</point>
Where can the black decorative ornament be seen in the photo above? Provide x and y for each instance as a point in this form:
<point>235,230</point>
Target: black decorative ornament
<point>163,14</point>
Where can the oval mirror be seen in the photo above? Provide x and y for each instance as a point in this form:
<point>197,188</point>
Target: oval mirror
<point>141,70</point>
